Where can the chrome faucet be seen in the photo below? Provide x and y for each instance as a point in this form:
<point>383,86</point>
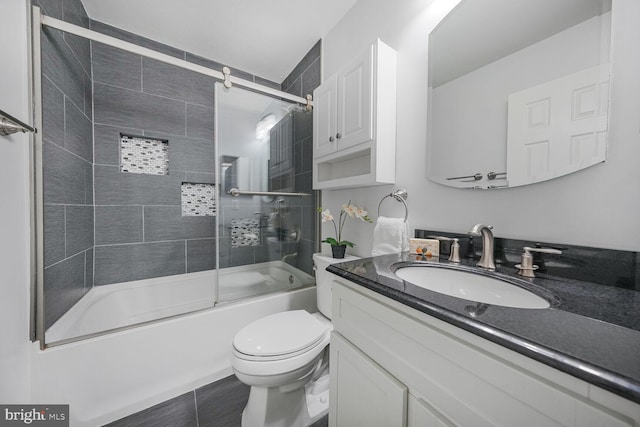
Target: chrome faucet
<point>486,260</point>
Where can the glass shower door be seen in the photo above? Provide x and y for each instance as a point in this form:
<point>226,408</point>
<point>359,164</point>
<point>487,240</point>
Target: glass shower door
<point>260,237</point>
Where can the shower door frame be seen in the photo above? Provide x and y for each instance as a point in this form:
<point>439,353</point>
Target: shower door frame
<point>38,20</point>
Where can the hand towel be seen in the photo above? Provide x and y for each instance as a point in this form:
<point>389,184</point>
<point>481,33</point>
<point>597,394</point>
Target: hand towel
<point>390,235</point>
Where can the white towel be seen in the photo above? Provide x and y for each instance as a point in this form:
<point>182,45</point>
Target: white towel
<point>390,235</point>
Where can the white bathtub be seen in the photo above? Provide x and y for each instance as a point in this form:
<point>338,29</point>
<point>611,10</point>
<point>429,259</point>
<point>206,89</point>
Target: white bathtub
<point>114,375</point>
<point>109,307</point>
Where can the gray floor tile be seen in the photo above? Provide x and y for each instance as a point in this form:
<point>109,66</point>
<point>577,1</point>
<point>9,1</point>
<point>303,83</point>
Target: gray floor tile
<point>177,412</point>
<point>220,404</point>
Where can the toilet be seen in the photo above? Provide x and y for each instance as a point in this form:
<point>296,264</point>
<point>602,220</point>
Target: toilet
<point>284,357</point>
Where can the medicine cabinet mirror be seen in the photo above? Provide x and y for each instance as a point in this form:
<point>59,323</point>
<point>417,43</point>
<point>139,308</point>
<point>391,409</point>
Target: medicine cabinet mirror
<point>518,91</point>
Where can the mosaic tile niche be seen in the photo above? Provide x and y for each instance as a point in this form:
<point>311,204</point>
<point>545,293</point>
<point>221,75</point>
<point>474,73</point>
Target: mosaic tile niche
<point>144,155</point>
<point>198,199</point>
<point>245,232</point>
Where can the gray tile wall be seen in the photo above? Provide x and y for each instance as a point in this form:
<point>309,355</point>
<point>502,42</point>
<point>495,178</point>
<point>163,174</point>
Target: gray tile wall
<point>91,94</point>
<point>140,230</point>
<point>68,160</point>
<point>304,78</point>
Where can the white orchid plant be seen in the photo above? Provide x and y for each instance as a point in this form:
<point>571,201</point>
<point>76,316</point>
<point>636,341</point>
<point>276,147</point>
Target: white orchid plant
<point>347,211</point>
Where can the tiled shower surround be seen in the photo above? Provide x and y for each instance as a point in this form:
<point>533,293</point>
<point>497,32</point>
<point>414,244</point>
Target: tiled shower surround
<point>94,94</point>
<point>67,161</point>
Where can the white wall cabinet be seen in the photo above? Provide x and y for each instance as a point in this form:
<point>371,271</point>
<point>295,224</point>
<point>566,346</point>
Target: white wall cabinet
<point>354,122</point>
<point>453,377</point>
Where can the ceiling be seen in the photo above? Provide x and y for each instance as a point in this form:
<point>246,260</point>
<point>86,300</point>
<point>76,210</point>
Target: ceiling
<point>264,38</point>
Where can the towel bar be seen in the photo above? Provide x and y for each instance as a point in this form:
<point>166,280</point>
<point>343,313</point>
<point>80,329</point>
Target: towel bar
<point>401,196</point>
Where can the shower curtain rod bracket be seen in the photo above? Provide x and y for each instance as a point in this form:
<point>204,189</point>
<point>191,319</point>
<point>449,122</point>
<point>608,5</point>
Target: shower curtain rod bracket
<point>308,106</point>
<point>227,77</point>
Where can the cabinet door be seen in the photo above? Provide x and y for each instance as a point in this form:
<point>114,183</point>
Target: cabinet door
<point>324,118</point>
<point>355,102</point>
<point>421,414</point>
<point>361,392</point>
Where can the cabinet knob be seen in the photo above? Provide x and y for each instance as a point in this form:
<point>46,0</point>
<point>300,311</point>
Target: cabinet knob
<point>338,135</point>
<point>330,139</point>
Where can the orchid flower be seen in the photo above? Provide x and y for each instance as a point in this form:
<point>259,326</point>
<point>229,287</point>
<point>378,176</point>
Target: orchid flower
<point>347,211</point>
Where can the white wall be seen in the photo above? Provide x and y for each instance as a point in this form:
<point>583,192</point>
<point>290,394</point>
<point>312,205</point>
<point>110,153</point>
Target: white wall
<point>599,206</point>
<point>14,215</point>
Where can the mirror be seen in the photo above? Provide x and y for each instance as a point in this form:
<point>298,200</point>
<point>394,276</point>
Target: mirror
<point>518,91</point>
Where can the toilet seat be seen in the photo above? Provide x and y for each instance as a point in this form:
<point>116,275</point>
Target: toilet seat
<point>280,336</point>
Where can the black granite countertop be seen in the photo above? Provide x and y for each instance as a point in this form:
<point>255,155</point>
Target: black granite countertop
<point>591,331</point>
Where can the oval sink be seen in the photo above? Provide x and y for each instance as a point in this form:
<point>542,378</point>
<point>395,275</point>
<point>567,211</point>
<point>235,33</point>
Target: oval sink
<point>470,286</point>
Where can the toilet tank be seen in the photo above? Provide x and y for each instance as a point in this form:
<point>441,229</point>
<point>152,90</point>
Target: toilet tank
<point>323,280</point>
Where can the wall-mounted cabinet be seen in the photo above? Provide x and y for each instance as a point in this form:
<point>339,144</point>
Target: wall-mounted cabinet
<point>354,122</point>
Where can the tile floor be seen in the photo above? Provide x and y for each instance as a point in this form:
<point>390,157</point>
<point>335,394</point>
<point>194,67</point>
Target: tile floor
<point>218,404</point>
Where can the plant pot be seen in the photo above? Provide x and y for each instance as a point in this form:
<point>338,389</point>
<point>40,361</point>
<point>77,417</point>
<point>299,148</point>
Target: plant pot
<point>338,251</point>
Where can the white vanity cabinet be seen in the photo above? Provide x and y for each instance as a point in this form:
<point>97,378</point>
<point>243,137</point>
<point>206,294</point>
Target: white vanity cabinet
<point>354,122</point>
<point>441,375</point>
<point>366,394</point>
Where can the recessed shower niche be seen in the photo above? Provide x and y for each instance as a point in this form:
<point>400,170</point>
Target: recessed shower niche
<point>139,154</point>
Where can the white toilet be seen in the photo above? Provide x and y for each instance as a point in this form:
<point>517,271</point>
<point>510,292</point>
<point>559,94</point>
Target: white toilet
<point>284,357</point>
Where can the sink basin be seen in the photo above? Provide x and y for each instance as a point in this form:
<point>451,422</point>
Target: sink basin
<point>471,286</point>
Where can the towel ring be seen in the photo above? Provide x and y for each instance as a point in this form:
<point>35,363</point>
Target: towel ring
<point>401,196</point>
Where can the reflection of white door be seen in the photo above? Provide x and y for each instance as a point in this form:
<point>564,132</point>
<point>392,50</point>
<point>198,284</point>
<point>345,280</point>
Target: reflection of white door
<point>557,127</point>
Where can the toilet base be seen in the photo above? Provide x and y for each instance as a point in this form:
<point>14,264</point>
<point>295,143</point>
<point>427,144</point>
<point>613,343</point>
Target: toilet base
<point>272,407</point>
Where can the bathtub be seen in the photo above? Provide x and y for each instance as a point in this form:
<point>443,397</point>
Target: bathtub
<point>110,376</point>
<point>110,307</point>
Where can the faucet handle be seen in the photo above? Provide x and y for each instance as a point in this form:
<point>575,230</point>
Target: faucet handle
<point>526,267</point>
<point>528,249</point>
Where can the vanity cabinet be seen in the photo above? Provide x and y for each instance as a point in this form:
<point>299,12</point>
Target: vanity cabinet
<point>441,375</point>
<point>354,122</point>
<point>368,395</point>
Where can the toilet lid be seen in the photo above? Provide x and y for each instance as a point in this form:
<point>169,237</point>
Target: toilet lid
<point>280,333</point>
